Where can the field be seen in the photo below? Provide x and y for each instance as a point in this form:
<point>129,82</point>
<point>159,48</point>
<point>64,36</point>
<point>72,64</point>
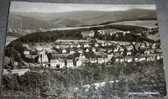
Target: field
<point>141,23</point>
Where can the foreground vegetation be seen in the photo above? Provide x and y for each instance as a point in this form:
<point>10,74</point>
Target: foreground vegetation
<point>141,77</point>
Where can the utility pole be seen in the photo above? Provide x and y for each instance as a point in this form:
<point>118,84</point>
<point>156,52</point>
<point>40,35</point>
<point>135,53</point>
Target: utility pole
<point>4,10</point>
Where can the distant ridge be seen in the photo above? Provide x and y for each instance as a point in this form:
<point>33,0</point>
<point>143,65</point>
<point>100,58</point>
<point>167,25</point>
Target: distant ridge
<point>34,22</point>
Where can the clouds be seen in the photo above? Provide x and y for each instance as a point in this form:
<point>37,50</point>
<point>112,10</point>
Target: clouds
<point>60,7</point>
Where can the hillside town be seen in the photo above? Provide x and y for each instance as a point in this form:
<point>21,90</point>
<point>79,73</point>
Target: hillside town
<point>119,59</point>
<point>75,53</point>
<point>81,51</point>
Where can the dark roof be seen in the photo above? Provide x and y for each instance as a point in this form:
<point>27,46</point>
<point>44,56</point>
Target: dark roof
<point>95,55</point>
<point>66,56</point>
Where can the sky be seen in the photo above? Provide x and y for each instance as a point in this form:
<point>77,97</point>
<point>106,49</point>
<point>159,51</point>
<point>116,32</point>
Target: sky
<point>20,6</point>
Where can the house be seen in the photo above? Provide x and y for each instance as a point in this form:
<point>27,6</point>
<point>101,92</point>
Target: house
<point>20,72</point>
<point>149,58</point>
<point>26,52</point>
<point>99,56</point>
<point>109,44</point>
<point>129,59</point>
<point>153,58</point>
<point>81,59</point>
<point>79,63</point>
<point>25,45</point>
<point>70,63</point>
<point>158,57</point>
<point>32,57</point>
<point>158,50</point>
<point>109,56</point>
<point>121,53</point>
<point>96,45</point>
<point>86,45</point>
<point>54,63</point>
<point>87,50</point>
<point>71,46</point>
<point>116,35</point>
<point>102,32</point>
<point>133,43</point>
<point>117,60</point>
<point>117,54</point>
<point>121,60</point>
<point>86,34</point>
<point>129,53</point>
<point>93,60</point>
<point>112,33</point>
<point>142,46</point>
<point>137,46</point>
<point>62,60</point>
<point>115,50</point>
<point>128,32</point>
<point>94,49</point>
<point>101,60</point>
<point>72,52</point>
<point>147,52</point>
<point>147,44</point>
<point>64,51</point>
<point>142,59</point>
<point>136,59</point>
<point>102,50</point>
<point>129,48</point>
<point>78,46</point>
<point>154,46</point>
<point>57,63</point>
<point>100,41</point>
<point>103,44</point>
<point>39,48</point>
<point>123,43</point>
<point>152,51</point>
<point>109,51</point>
<point>80,51</point>
<point>121,49</point>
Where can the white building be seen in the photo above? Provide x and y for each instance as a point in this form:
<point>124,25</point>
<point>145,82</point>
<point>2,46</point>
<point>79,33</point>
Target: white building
<point>129,53</point>
<point>142,59</point>
<point>72,52</point>
<point>96,45</point>
<point>70,63</point>
<point>26,52</point>
<point>86,45</point>
<point>81,59</point>
<point>57,63</point>
<point>64,51</point>
<point>43,58</point>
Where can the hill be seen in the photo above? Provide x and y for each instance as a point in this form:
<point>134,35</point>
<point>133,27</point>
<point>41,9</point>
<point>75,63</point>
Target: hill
<point>27,22</point>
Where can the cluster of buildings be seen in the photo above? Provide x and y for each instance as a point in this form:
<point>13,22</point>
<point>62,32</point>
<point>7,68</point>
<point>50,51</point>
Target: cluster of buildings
<point>75,53</point>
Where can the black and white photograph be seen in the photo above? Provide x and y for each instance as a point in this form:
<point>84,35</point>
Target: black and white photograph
<point>83,51</point>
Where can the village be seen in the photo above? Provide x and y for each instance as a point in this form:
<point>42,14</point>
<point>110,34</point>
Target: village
<point>94,49</point>
<point>75,53</point>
